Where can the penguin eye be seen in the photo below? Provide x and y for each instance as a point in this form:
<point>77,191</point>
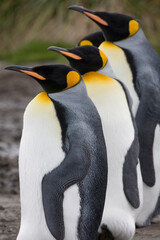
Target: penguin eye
<point>72,79</point>
<point>133,27</point>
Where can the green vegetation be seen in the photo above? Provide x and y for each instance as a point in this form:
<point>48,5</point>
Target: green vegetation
<point>28,27</point>
<point>32,52</point>
<point>36,51</point>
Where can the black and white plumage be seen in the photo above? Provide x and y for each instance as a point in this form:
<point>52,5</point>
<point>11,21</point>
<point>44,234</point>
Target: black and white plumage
<point>63,161</point>
<point>137,65</point>
<point>111,98</point>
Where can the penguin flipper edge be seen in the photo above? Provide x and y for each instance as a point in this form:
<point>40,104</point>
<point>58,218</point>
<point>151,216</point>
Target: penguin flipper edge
<point>72,170</point>
<point>147,118</point>
<point>130,179</point>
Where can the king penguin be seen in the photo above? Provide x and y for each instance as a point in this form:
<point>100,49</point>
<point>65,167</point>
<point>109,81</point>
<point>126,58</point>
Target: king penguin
<point>124,187</point>
<point>137,65</point>
<point>62,159</point>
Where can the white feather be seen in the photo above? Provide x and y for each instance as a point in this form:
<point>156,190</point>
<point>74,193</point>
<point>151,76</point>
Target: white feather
<point>71,211</point>
<point>121,69</point>
<point>40,152</point>
<point>109,98</point>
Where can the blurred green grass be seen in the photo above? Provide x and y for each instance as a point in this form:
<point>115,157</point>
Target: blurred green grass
<point>34,51</point>
<point>28,27</point>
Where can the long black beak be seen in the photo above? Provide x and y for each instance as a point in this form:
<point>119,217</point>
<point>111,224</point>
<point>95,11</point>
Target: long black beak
<point>57,49</point>
<point>27,70</point>
<point>65,52</point>
<point>18,68</point>
<point>94,16</point>
<point>80,9</point>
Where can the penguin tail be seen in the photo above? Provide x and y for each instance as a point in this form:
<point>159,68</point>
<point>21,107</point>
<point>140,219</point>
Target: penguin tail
<point>117,225</point>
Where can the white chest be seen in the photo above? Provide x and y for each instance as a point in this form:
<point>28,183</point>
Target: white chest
<point>40,152</point>
<point>121,69</point>
<point>110,100</point>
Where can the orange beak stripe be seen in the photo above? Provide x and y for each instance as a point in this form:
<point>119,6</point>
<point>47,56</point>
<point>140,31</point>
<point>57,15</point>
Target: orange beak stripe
<point>71,55</point>
<point>96,18</point>
<point>33,74</point>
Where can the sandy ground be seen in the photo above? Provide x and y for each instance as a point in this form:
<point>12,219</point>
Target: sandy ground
<point>10,220</point>
<point>16,90</point>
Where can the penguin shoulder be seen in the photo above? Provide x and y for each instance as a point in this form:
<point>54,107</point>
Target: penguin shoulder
<point>112,50</point>
<point>39,104</point>
<point>40,115</point>
<point>101,84</point>
<point>94,77</point>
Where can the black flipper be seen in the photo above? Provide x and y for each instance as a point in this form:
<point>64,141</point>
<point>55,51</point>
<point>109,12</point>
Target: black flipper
<point>147,118</point>
<point>72,170</point>
<point>130,181</point>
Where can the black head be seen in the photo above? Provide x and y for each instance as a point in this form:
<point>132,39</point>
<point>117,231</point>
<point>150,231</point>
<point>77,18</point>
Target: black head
<point>93,39</point>
<point>84,58</point>
<point>115,26</point>
<point>52,78</point>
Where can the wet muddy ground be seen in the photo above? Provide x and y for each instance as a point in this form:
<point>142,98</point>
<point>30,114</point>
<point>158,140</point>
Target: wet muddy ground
<point>16,90</point>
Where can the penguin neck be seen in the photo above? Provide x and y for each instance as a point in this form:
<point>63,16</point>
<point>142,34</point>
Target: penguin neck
<point>121,69</point>
<point>99,87</point>
<point>145,60</point>
<point>133,41</point>
<point>110,100</point>
<point>107,70</point>
<point>96,78</point>
<point>70,95</point>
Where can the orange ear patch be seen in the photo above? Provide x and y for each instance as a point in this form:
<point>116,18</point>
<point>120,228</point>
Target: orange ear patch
<point>96,18</point>
<point>33,74</point>
<point>133,27</point>
<point>72,79</point>
<point>104,58</point>
<point>71,55</point>
<point>85,42</point>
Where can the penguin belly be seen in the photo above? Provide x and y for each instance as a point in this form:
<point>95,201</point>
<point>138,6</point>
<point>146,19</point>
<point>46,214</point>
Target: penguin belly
<point>109,98</point>
<point>121,69</point>
<point>40,152</point>
<point>123,72</point>
<point>71,212</point>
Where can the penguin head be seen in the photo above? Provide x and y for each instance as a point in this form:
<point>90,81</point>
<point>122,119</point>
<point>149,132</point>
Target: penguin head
<point>93,39</point>
<point>115,26</point>
<point>52,78</point>
<point>84,58</point>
